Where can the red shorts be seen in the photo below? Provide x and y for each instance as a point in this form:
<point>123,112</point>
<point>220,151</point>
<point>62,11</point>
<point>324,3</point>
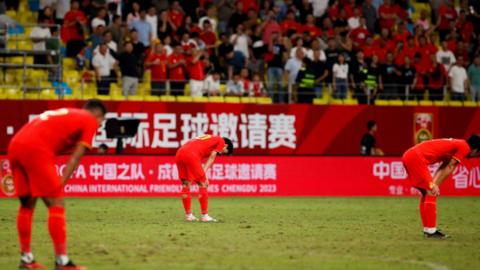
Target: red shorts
<point>34,173</point>
<point>189,166</point>
<point>417,169</point>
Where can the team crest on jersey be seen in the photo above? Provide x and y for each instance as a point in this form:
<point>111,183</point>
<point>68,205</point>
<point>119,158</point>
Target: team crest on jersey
<point>6,179</point>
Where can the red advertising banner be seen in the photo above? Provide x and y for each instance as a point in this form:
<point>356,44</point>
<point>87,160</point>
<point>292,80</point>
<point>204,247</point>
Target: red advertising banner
<point>150,176</point>
<point>298,129</point>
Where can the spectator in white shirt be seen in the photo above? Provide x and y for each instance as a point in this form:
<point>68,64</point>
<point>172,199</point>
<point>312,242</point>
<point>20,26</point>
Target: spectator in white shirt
<point>241,41</point>
<point>39,35</point>
<point>134,14</point>
<point>293,66</point>
<point>211,16</point>
<point>103,63</point>
<point>100,18</point>
<point>112,45</point>
<point>152,19</point>
<point>445,56</point>
<point>235,87</point>
<point>167,41</point>
<point>212,84</point>
<point>354,21</point>
<point>458,80</point>
<point>340,75</point>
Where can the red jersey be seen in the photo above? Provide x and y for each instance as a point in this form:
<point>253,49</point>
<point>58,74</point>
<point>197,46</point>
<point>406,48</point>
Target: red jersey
<point>204,145</point>
<point>176,17</point>
<point>196,70</point>
<point>71,32</point>
<point>177,73</point>
<point>313,30</point>
<point>159,71</point>
<point>358,36</point>
<point>442,150</point>
<point>437,77</point>
<point>291,25</point>
<point>58,131</point>
<point>209,38</point>
<point>387,10</point>
<point>447,14</point>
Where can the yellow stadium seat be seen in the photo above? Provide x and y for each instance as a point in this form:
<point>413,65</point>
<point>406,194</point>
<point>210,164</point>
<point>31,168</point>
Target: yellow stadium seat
<point>223,88</point>
<point>184,99</point>
<point>350,101</point>
<point>455,103</point>
<point>247,100</point>
<point>381,102</point>
<point>263,100</point>
<point>69,63</point>
<point>32,95</point>
<point>216,99</point>
<point>335,101</point>
<point>320,101</point>
<point>135,98</point>
<point>186,90</point>
<point>395,102</point>
<point>411,103</point>
<point>200,99</point>
<point>152,98</point>
<point>48,94</point>
<point>104,97</point>
<point>470,103</point>
<point>440,103</point>
<point>118,98</point>
<point>425,103</point>
<point>168,98</point>
<point>232,99</point>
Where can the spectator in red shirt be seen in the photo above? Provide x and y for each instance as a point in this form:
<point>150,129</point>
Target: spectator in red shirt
<point>176,14</point>
<point>402,34</point>
<point>360,34</point>
<point>290,25</point>
<point>157,62</point>
<point>421,76</point>
<point>249,4</point>
<point>311,28</point>
<point>437,77</point>
<point>72,30</point>
<point>447,15</point>
<point>388,15</point>
<point>367,48</point>
<point>176,71</point>
<point>196,71</point>
<point>464,27</point>
<point>408,50</point>
<point>209,38</point>
<point>425,49</point>
<point>270,26</point>
<point>384,39</point>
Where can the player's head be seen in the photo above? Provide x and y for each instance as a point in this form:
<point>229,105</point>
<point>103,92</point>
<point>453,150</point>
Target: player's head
<point>228,148</point>
<point>474,143</point>
<point>372,126</point>
<point>96,108</point>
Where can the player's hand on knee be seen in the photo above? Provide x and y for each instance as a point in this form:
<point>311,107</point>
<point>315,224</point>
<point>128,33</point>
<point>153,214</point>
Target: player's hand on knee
<point>435,190</point>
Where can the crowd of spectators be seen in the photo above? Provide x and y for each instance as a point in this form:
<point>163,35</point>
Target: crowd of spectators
<point>286,49</point>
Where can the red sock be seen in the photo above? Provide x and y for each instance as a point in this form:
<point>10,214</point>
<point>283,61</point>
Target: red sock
<point>187,200</point>
<point>203,199</point>
<point>430,210</point>
<point>24,227</point>
<point>422,210</point>
<point>57,229</point>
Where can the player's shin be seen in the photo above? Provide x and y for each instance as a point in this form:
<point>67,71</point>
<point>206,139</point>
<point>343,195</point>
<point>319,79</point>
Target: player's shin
<point>203,199</point>
<point>58,232</point>
<point>421,207</point>
<point>24,227</point>
<point>187,200</point>
<point>430,208</point>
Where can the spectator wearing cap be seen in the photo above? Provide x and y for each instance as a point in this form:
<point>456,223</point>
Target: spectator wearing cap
<point>152,19</point>
<point>157,62</point>
<point>458,80</point>
<point>176,67</point>
<point>129,70</point>
<point>103,63</point>
<point>144,29</point>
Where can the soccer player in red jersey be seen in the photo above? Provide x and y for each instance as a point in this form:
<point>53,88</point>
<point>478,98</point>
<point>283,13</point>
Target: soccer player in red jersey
<point>189,160</point>
<point>449,152</point>
<point>32,152</point>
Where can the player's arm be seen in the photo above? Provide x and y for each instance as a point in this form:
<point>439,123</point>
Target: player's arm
<point>210,161</point>
<point>444,171</point>
<point>73,162</point>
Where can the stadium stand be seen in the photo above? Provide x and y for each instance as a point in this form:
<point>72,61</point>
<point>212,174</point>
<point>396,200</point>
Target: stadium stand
<point>395,52</point>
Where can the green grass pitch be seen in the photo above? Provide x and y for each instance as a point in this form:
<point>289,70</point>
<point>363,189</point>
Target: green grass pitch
<point>255,233</point>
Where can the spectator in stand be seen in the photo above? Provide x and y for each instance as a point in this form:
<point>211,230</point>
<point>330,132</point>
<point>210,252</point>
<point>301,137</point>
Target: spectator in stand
<point>188,43</point>
<point>424,20</point>
<point>292,67</point>
<point>176,67</point>
<point>134,14</point>
<point>406,75</point>
<point>245,80</point>
<point>357,76</point>
<point>388,15</point>
<point>447,15</point>
<point>437,77</point>
<point>223,49</point>
<point>370,14</point>
<point>210,17</point>
<point>138,47</point>
<point>331,54</point>
<point>236,61</point>
<point>360,34</point>
<point>166,45</point>
<point>474,78</point>
<point>129,71</point>
<point>196,71</point>
<point>176,14</point>
<point>340,77</point>
<point>320,71</point>
<point>237,18</point>
<point>118,31</point>
<point>275,57</point>
<point>152,20</point>
<point>157,62</point>
<point>112,45</point>
<point>209,39</point>
<point>96,38</point>
<point>166,27</point>
<point>144,29</point>
<point>311,28</point>
<point>388,87</point>
<point>212,84</point>
<point>299,46</point>
<point>112,11</point>
<point>373,79</point>
<point>225,10</point>
<point>290,24</point>
<point>53,44</point>
<point>354,21</point>
<point>61,10</point>
<point>458,81</point>
<point>99,19</point>
<point>234,87</point>
<point>257,88</point>
<point>270,27</point>
<point>421,76</point>
<point>305,84</point>
<point>241,41</point>
<point>445,56</point>
<point>72,30</point>
<point>103,63</point>
<point>46,15</point>
<point>39,35</point>
<point>252,20</point>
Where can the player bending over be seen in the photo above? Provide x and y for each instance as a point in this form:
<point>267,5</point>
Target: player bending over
<point>189,160</point>
<point>32,152</point>
<point>449,152</point>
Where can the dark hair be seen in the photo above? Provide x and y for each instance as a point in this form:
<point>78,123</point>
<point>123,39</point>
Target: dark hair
<point>474,142</point>
<point>112,6</point>
<point>103,146</point>
<point>95,104</point>
<point>229,144</point>
<point>371,124</point>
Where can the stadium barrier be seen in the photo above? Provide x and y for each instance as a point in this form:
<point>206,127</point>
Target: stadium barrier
<point>151,176</point>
